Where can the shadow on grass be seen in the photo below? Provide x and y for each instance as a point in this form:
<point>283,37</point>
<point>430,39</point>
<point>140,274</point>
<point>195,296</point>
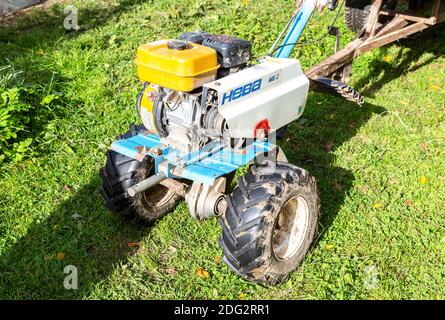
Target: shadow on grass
<point>83,233</point>
<point>329,123</point>
<point>23,47</point>
<point>51,18</point>
<point>80,232</point>
<point>95,242</point>
<point>408,59</point>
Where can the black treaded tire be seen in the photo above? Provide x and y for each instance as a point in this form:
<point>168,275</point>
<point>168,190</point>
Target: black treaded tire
<point>120,173</point>
<point>251,219</point>
<point>357,12</point>
<point>356,18</point>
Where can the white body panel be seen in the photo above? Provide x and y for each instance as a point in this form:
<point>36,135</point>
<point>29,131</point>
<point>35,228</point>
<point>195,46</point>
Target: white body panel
<point>279,99</point>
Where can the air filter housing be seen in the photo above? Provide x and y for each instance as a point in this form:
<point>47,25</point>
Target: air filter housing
<point>232,51</point>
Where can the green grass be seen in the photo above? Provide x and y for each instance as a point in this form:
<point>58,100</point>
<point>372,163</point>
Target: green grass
<point>380,168</point>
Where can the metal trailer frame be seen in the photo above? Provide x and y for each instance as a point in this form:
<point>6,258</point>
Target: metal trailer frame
<point>375,35</point>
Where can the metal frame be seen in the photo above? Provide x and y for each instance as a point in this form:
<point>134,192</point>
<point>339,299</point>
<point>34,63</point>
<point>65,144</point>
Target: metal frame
<point>295,27</point>
<point>375,35</point>
<point>214,160</point>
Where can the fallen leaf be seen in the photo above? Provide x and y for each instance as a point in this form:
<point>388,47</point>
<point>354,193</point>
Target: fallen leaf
<point>435,88</point>
<point>202,273</point>
<point>171,250</point>
<point>242,296</point>
<point>424,146</point>
<point>60,256</point>
<point>218,259</point>
<point>422,180</point>
<point>171,271</point>
<point>329,246</point>
<point>134,244</point>
<point>409,203</point>
<point>377,205</point>
<point>327,147</point>
<point>46,258</point>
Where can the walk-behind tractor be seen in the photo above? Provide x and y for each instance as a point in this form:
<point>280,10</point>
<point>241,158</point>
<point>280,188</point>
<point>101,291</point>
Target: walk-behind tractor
<point>207,109</point>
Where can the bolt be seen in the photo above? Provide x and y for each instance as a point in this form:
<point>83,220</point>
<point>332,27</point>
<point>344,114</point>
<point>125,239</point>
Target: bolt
<point>221,206</point>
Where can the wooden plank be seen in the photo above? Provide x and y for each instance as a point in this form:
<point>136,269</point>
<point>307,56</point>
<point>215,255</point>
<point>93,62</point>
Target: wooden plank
<point>392,31</point>
<point>360,46</point>
<point>373,17</point>
<point>390,37</point>
<point>335,61</point>
<point>409,17</point>
<point>394,24</point>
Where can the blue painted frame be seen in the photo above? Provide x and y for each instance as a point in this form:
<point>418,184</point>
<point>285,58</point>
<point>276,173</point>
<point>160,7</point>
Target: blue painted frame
<point>205,165</point>
<point>296,28</point>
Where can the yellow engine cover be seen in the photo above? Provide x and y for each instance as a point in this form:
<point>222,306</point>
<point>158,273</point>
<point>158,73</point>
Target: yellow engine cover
<point>181,70</point>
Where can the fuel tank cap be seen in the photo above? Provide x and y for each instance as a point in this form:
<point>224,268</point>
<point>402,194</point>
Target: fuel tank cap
<point>178,45</point>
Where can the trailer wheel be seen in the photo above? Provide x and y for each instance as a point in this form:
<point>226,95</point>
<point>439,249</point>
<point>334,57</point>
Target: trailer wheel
<point>357,13</point>
<point>120,173</point>
<point>356,18</point>
<point>270,222</point>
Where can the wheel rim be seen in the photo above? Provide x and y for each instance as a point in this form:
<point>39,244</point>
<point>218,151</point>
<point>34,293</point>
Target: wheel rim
<point>290,228</point>
<point>157,196</point>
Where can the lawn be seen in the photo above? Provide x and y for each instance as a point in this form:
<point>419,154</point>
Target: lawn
<point>380,167</point>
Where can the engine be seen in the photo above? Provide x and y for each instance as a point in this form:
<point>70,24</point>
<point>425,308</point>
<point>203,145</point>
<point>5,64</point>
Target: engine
<point>201,87</point>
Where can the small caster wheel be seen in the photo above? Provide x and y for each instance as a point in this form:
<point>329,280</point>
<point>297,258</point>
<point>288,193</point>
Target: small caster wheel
<point>270,222</point>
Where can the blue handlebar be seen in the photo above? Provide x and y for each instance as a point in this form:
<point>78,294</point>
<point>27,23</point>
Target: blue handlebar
<point>296,29</point>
